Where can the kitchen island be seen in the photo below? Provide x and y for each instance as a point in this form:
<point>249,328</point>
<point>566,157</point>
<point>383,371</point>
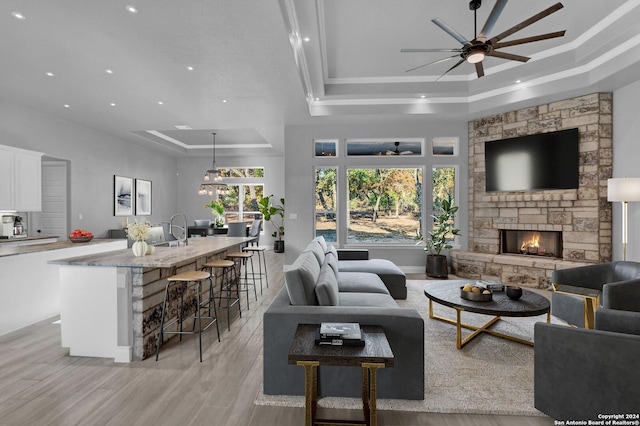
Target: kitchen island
<point>30,285</point>
<point>111,303</point>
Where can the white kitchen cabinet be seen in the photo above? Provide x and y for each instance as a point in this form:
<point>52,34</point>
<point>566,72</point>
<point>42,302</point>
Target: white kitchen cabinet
<point>20,179</point>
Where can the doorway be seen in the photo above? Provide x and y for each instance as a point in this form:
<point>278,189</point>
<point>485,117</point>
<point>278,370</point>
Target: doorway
<point>54,217</point>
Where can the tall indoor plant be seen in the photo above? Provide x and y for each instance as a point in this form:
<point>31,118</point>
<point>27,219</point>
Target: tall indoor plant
<point>439,238</point>
<point>274,213</point>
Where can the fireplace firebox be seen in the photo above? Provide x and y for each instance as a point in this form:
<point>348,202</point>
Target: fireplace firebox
<point>531,243</point>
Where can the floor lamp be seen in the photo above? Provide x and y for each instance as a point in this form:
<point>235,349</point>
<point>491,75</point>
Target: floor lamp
<point>623,190</point>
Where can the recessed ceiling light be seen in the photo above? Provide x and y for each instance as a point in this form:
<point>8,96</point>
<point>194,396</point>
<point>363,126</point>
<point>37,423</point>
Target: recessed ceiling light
<point>66,106</point>
<point>18,15</point>
<point>108,71</point>
<point>50,74</point>
<point>190,68</point>
<point>317,99</point>
<point>160,103</point>
<point>132,9</point>
<point>423,96</point>
<point>518,81</point>
<point>112,104</point>
<point>306,39</point>
<point>224,101</point>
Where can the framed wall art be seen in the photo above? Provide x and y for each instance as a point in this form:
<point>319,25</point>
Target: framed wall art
<point>143,197</point>
<point>122,196</point>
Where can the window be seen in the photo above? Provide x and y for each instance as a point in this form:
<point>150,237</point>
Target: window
<point>325,148</point>
<point>384,205</point>
<point>241,202</point>
<point>444,185</point>
<point>244,189</point>
<point>378,147</point>
<point>326,204</point>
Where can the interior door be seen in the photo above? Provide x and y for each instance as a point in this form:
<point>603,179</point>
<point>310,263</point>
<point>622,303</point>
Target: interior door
<point>53,219</point>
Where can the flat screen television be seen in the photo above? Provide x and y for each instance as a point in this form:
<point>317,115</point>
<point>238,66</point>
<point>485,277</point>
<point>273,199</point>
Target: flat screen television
<point>533,162</point>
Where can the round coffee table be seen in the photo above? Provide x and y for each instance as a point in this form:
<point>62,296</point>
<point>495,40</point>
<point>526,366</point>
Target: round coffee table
<point>447,293</point>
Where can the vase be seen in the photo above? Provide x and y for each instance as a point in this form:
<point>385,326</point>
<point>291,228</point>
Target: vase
<point>139,248</point>
<point>151,249</point>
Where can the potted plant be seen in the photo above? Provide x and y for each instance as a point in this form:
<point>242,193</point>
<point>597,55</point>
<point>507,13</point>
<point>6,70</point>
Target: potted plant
<point>217,210</point>
<point>440,237</point>
<point>274,213</point>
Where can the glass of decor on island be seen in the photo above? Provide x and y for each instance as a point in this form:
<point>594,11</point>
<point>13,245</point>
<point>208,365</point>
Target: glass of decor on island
<point>138,233</point>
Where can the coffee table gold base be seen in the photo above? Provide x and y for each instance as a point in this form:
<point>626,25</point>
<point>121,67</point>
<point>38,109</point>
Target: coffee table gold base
<point>460,342</point>
<point>369,395</point>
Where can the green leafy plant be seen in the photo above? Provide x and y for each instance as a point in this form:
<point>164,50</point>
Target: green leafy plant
<point>274,214</point>
<point>216,207</point>
<point>443,231</point>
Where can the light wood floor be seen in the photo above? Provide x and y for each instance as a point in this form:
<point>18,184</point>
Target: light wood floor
<point>40,384</point>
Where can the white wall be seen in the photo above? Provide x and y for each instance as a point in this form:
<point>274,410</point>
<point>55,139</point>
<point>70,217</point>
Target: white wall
<point>299,175</point>
<point>626,154</point>
<point>94,158</point>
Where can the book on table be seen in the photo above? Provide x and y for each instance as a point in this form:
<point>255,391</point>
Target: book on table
<point>339,334</point>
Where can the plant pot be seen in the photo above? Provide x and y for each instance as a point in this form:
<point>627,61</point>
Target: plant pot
<point>278,246</point>
<point>437,266</point>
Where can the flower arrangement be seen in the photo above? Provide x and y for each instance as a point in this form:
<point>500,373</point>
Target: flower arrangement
<point>217,210</point>
<point>138,231</point>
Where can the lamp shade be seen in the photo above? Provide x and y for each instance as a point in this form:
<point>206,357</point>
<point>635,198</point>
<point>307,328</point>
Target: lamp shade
<point>623,189</point>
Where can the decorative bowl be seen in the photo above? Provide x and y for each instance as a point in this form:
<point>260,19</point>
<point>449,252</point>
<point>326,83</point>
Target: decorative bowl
<point>476,297</point>
<point>513,292</point>
<point>80,239</point>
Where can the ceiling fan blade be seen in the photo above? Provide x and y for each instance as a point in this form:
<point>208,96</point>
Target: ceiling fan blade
<point>434,62</point>
<point>479,69</point>
<point>492,19</point>
<point>453,33</point>
<point>509,56</point>
<point>450,69</point>
<point>529,39</point>
<point>527,22</point>
<point>430,50</point>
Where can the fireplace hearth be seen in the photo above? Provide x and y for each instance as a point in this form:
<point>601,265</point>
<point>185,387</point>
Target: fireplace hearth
<point>531,243</point>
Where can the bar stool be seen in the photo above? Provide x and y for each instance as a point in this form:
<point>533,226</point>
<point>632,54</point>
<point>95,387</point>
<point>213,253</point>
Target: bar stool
<point>259,251</point>
<point>184,279</point>
<point>228,269</point>
<point>241,258</point>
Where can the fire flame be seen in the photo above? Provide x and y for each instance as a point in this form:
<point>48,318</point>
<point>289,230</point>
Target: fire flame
<point>533,242</point>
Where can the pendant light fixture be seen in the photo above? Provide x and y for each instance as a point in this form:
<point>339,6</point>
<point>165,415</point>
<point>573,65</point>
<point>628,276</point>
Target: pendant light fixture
<point>213,177</point>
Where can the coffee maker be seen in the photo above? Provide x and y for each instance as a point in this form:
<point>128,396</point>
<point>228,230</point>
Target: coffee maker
<point>7,226</point>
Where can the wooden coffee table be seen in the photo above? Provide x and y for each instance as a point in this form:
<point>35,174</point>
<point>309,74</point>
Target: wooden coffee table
<point>375,354</point>
<point>447,293</point>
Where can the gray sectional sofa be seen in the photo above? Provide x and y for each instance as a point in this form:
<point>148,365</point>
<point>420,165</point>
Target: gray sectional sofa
<point>317,290</point>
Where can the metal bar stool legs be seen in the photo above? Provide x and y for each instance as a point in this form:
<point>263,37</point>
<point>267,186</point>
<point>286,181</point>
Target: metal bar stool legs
<point>243,278</point>
<point>226,285</point>
<point>184,279</point>
<point>262,260</point>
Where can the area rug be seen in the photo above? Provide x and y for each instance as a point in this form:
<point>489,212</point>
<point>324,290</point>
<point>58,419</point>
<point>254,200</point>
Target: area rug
<point>489,375</point>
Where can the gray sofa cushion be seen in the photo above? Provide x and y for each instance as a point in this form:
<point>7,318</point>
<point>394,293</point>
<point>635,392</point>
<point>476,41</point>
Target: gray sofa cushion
<point>374,300</point>
<point>317,251</point>
<point>320,240</point>
<point>361,282</point>
<point>301,279</point>
<point>392,276</point>
<point>327,287</point>
<point>333,251</point>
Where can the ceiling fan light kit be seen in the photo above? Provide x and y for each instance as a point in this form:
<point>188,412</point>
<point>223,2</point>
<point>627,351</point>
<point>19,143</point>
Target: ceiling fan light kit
<point>476,50</point>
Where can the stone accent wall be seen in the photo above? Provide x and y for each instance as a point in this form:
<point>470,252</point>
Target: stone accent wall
<point>583,215</point>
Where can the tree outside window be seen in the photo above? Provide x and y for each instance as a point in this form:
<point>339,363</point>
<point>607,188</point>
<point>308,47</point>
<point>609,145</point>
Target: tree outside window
<point>326,203</point>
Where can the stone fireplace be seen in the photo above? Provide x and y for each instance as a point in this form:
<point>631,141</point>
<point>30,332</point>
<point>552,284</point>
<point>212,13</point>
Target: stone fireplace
<point>579,219</point>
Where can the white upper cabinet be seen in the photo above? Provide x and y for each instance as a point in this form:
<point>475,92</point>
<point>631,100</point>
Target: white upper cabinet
<point>20,179</point>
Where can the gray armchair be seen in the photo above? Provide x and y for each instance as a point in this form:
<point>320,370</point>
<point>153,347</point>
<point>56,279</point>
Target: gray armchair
<point>580,291</point>
<point>581,373</point>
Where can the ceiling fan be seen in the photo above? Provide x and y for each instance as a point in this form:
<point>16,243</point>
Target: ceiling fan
<point>474,51</point>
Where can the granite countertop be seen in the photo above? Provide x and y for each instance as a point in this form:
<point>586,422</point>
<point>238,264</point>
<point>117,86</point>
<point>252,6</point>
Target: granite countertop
<point>34,248</point>
<point>164,257</point>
